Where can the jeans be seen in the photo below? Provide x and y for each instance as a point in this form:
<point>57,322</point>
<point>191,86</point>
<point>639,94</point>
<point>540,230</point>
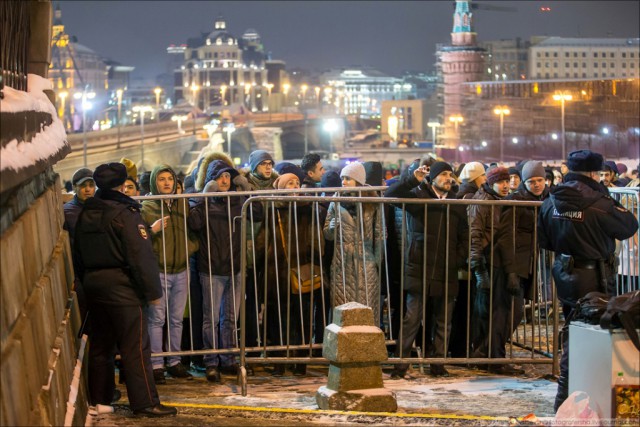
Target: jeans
<point>175,291</point>
<point>221,308</point>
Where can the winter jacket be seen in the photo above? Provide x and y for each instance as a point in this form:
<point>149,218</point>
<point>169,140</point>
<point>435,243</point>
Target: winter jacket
<point>434,241</point>
<point>72,211</point>
<point>483,220</point>
<point>220,243</point>
<point>301,239</point>
<point>515,243</point>
<point>112,245</point>
<point>169,243</point>
<point>467,190</point>
<point>580,219</point>
<point>357,232</point>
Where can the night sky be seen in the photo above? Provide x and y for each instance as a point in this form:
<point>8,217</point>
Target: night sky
<point>391,36</point>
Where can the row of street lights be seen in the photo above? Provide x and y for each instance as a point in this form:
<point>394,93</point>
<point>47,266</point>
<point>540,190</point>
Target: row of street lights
<point>503,110</point>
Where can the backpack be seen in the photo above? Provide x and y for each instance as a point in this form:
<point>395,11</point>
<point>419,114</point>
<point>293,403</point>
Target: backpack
<point>623,311</point>
<point>590,308</point>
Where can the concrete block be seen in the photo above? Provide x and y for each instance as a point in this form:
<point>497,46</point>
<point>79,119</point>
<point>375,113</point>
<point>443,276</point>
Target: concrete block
<point>14,392</point>
<point>355,376</point>
<point>13,291</point>
<point>353,313</point>
<point>58,290</point>
<point>43,331</point>
<point>354,344</point>
<point>370,400</point>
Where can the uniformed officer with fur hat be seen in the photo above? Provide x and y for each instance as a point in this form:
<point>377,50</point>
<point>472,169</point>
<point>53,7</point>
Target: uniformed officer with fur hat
<point>120,276</point>
<point>580,222</point>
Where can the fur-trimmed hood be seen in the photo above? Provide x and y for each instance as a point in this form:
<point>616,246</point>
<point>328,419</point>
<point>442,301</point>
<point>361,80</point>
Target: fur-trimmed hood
<point>202,170</point>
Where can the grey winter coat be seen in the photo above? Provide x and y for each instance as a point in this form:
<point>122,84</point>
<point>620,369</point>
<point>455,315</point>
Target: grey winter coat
<point>358,234</point>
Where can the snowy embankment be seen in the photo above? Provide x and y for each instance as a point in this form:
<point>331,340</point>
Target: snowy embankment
<point>16,155</point>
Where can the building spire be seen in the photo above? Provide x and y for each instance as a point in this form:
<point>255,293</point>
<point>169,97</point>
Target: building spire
<point>463,33</point>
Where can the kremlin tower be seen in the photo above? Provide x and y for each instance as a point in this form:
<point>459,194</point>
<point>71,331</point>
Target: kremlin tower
<point>462,61</point>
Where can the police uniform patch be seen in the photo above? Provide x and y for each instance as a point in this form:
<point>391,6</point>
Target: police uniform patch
<point>143,231</point>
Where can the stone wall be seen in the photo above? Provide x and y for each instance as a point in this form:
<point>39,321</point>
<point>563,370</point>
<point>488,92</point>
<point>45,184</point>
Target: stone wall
<point>39,311</point>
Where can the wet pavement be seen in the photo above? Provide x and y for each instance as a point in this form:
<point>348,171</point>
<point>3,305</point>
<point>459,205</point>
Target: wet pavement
<point>466,397</point>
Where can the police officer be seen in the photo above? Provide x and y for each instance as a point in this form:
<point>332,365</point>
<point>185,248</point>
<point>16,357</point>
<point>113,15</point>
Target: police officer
<point>120,275</point>
<point>580,223</point>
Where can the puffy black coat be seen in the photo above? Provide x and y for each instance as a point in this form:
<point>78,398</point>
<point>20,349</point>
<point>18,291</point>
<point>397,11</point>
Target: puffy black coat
<point>219,244</point>
<point>113,248</point>
<point>580,219</point>
<point>434,236</point>
<point>481,218</point>
<point>516,243</point>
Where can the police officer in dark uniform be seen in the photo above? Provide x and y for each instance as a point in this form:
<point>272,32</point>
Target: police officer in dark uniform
<point>119,274</point>
<point>580,223</point>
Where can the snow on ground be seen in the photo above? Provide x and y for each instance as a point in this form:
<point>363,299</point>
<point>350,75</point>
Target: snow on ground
<point>16,154</point>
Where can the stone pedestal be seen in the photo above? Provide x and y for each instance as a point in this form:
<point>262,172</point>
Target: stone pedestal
<point>355,348</point>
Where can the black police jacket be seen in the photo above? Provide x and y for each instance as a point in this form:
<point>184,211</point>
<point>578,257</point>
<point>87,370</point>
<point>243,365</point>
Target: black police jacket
<point>580,219</point>
<point>113,248</point>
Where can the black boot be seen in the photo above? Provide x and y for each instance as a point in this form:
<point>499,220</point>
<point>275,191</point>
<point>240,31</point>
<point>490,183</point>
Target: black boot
<point>563,392</point>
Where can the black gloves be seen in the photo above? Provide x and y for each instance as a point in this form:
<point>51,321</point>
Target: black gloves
<point>482,275</point>
<point>513,284</point>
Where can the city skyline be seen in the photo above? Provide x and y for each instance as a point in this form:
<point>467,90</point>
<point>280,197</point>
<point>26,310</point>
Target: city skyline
<point>389,36</point>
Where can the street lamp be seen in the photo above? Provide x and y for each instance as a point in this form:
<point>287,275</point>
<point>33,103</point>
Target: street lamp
<point>247,95</point>
<point>330,126</point>
<point>194,90</point>
<point>179,119</point>
<point>223,91</point>
<point>434,126</point>
<point>157,91</point>
<point>304,88</point>
<point>317,89</point>
<point>119,93</point>
<point>501,110</point>
<point>563,96</point>
<point>285,89</point>
<point>141,109</point>
<point>86,105</point>
<point>229,129</point>
<point>63,95</point>
<point>456,119</point>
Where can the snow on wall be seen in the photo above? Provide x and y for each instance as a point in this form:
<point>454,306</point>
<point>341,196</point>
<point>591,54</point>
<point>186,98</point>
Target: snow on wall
<point>18,155</point>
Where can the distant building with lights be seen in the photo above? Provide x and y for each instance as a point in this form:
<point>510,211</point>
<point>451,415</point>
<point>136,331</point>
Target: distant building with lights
<point>219,68</point>
<point>506,59</point>
<point>75,68</point>
<point>602,115</point>
<point>586,58</point>
<point>362,90</point>
<point>403,121</point>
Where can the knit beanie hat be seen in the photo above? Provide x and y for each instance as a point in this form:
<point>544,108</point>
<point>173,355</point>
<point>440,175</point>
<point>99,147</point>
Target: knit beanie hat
<point>257,157</point>
<point>288,167</point>
<point>132,169</point>
<point>611,165</point>
<point>514,171</point>
<point>437,168</point>
<point>532,169</point>
<point>471,171</point>
<point>373,172</point>
<point>282,181</point>
<point>622,168</point>
<point>217,168</point>
<point>331,179</point>
<point>496,174</point>
<point>355,171</point>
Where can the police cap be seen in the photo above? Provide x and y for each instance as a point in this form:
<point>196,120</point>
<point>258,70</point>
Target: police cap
<point>585,161</point>
<point>110,175</point>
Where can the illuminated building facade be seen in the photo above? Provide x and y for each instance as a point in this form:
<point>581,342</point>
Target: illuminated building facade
<point>221,69</point>
<point>361,91</point>
<point>584,58</point>
<point>506,59</point>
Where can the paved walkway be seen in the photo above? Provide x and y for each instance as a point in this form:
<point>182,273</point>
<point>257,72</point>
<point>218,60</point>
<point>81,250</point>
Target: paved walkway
<point>467,397</point>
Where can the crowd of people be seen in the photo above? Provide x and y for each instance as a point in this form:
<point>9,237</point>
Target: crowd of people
<point>143,268</point>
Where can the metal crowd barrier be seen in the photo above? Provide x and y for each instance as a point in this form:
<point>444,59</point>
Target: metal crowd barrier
<point>274,326</point>
<point>627,251</point>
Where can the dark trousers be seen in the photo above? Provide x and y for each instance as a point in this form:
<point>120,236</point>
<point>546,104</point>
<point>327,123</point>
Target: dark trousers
<point>126,327</point>
<point>502,324</point>
<point>438,325</point>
